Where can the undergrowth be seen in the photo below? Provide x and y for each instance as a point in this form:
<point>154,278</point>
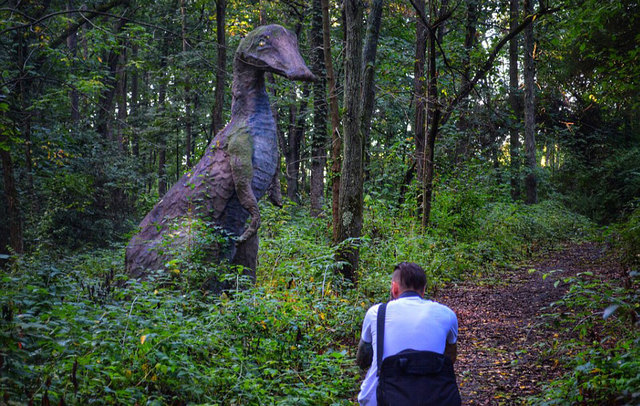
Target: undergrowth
<point>601,318</point>
<point>78,329</point>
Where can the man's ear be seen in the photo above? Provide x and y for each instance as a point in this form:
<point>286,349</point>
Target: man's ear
<point>395,289</point>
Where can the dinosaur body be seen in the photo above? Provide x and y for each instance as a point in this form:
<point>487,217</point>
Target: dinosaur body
<point>237,167</point>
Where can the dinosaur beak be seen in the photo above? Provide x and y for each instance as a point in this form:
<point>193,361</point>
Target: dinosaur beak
<point>294,67</point>
<point>301,73</point>
<point>289,62</point>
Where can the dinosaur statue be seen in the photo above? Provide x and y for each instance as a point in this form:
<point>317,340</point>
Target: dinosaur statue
<point>236,170</point>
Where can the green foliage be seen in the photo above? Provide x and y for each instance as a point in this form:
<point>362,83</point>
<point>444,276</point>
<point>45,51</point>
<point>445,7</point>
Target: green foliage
<point>602,351</point>
<point>84,188</point>
<point>629,240</point>
<point>78,329</point>
<point>604,191</point>
<point>475,229</point>
<point>600,320</point>
<point>588,56</point>
<point>69,332</point>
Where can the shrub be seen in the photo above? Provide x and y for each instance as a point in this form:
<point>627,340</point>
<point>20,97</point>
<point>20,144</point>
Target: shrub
<point>602,351</point>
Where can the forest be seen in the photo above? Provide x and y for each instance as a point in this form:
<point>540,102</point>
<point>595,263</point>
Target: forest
<point>495,143</point>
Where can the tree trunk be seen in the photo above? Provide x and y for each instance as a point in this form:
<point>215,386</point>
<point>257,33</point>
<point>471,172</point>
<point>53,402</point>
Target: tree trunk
<point>351,192</point>
<point>104,115</point>
<point>121,86</point>
<point>221,68</point>
<point>72,44</point>
<point>419,93</point>
<point>368,69</point>
<point>433,124</point>
<point>514,136</point>
<point>336,142</point>
<point>162,136</point>
<point>187,88</point>
<point>529,109</point>
<point>463,145</point>
<point>23,115</point>
<point>13,206</point>
<point>133,103</point>
<point>296,135</point>
<point>319,136</point>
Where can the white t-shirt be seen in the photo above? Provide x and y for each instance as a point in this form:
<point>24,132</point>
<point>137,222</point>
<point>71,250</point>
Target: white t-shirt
<point>410,322</point>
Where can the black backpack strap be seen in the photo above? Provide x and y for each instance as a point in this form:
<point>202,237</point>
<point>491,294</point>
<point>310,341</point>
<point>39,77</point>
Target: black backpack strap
<point>382,311</point>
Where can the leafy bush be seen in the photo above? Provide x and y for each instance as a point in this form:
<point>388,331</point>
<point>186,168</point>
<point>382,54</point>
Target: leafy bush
<point>602,352</point>
<point>605,190</point>
<point>628,241</point>
<point>68,332</point>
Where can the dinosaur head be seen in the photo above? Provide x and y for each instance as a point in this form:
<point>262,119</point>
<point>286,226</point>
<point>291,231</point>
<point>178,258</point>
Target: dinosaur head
<point>273,48</point>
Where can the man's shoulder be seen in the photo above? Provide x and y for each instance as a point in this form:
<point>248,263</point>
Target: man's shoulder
<point>441,307</point>
<point>372,315</point>
<point>373,310</point>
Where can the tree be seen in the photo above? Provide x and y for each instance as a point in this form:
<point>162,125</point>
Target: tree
<point>443,109</point>
<point>221,68</point>
<point>358,82</point>
<point>514,101</point>
<point>529,109</point>
<point>336,142</point>
<point>293,145</point>
<point>351,192</point>
<point>319,140</point>
<point>419,93</point>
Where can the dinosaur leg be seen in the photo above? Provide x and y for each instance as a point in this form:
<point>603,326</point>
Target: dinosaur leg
<point>242,173</point>
<point>247,256</point>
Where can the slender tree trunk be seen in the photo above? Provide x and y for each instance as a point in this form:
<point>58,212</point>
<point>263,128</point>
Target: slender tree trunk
<point>221,68</point>
<point>463,147</point>
<point>529,109</point>
<point>187,88</point>
<point>178,156</point>
<point>351,192</point>
<point>433,124</point>
<point>368,70</point>
<point>72,44</point>
<point>514,101</point>
<point>336,142</point>
<point>13,206</point>
<point>419,93</point>
<point>162,136</point>
<point>134,101</point>
<point>23,115</point>
<point>319,136</point>
<point>296,135</point>
<point>121,87</point>
<point>104,116</point>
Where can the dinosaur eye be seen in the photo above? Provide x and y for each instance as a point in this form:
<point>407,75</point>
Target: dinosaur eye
<point>261,43</point>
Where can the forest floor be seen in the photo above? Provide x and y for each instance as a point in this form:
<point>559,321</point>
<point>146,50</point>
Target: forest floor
<point>502,333</point>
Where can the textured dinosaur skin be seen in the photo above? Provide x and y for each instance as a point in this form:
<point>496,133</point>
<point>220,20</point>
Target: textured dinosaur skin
<point>238,166</point>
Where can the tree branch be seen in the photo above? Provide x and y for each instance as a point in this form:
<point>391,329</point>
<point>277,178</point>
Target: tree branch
<point>488,64</point>
<point>432,30</point>
<point>88,14</point>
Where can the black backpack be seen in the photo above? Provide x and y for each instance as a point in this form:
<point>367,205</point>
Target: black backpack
<point>413,377</point>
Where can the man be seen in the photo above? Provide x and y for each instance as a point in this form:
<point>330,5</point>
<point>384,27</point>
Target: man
<point>410,323</point>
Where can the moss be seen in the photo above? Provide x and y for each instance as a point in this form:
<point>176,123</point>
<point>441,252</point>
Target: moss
<point>240,150</point>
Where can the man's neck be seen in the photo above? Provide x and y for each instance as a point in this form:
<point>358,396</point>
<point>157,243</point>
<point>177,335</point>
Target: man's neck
<point>409,293</point>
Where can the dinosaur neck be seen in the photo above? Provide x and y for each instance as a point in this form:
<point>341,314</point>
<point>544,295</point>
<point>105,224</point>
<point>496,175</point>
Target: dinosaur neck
<point>248,90</point>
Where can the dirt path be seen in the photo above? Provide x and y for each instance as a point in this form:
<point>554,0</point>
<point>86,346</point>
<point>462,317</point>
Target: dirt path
<point>500,331</point>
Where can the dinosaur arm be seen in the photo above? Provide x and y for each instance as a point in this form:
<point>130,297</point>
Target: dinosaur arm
<point>240,153</point>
